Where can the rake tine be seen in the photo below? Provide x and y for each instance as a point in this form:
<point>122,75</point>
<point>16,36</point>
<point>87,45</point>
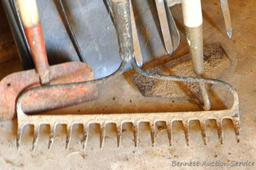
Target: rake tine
<point>85,136</point>
<point>153,133</point>
<point>169,132</point>
<point>36,136</point>
<point>136,134</point>
<point>220,131</point>
<point>69,135</point>
<point>119,133</point>
<point>186,131</point>
<point>102,134</point>
<point>165,30</point>
<point>203,131</point>
<point>19,136</point>
<point>52,136</point>
<point>227,19</point>
<point>237,129</point>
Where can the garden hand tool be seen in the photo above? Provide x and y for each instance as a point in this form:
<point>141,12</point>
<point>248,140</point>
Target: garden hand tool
<point>170,33</point>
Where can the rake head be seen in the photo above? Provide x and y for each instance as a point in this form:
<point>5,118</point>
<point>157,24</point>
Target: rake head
<point>121,13</point>
<point>136,119</point>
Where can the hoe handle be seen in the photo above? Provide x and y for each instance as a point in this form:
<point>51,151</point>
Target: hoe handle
<point>30,18</point>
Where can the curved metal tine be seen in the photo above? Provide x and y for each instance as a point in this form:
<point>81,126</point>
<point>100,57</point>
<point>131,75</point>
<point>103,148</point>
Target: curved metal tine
<point>136,42</point>
<point>227,19</point>
<point>165,29</point>
<point>71,33</point>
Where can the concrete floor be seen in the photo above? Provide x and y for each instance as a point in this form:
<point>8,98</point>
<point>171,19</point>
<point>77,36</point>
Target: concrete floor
<point>162,156</point>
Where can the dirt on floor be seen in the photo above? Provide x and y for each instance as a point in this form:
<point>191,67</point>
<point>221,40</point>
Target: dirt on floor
<point>229,155</point>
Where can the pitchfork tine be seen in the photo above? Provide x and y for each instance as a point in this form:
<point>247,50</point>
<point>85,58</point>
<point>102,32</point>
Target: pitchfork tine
<point>164,25</point>
<point>227,18</point>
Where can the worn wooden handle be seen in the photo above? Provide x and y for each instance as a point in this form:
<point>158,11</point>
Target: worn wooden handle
<point>28,12</point>
<point>30,18</point>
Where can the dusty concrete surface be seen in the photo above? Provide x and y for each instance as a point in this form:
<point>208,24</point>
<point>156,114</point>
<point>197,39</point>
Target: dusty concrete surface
<point>162,156</point>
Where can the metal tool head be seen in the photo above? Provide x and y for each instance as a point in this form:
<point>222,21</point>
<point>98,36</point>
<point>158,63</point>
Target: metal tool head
<point>136,119</point>
<point>41,100</point>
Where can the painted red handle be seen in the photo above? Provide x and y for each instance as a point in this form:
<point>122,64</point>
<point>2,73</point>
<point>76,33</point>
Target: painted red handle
<point>36,41</point>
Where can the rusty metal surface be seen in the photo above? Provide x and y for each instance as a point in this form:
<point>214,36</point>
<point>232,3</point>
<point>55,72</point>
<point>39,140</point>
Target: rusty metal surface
<point>36,43</point>
<point>12,85</point>
<point>103,120</point>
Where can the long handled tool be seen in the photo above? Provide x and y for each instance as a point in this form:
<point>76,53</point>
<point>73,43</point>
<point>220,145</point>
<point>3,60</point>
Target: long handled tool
<point>122,21</point>
<point>14,84</point>
<point>193,20</point>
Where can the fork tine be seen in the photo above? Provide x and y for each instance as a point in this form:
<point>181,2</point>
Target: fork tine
<point>165,29</point>
<point>227,19</point>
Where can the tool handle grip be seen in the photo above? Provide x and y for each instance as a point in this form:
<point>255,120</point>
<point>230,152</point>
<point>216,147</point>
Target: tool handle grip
<point>30,18</point>
<point>192,13</point>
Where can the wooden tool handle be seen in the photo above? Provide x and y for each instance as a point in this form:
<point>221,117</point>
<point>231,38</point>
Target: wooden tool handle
<point>30,18</point>
<point>192,13</point>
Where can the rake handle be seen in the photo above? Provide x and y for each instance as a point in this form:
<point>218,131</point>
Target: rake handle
<point>193,20</point>
<point>30,18</point>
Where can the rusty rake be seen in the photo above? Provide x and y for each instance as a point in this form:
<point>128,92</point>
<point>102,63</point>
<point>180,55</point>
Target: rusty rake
<point>122,21</point>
